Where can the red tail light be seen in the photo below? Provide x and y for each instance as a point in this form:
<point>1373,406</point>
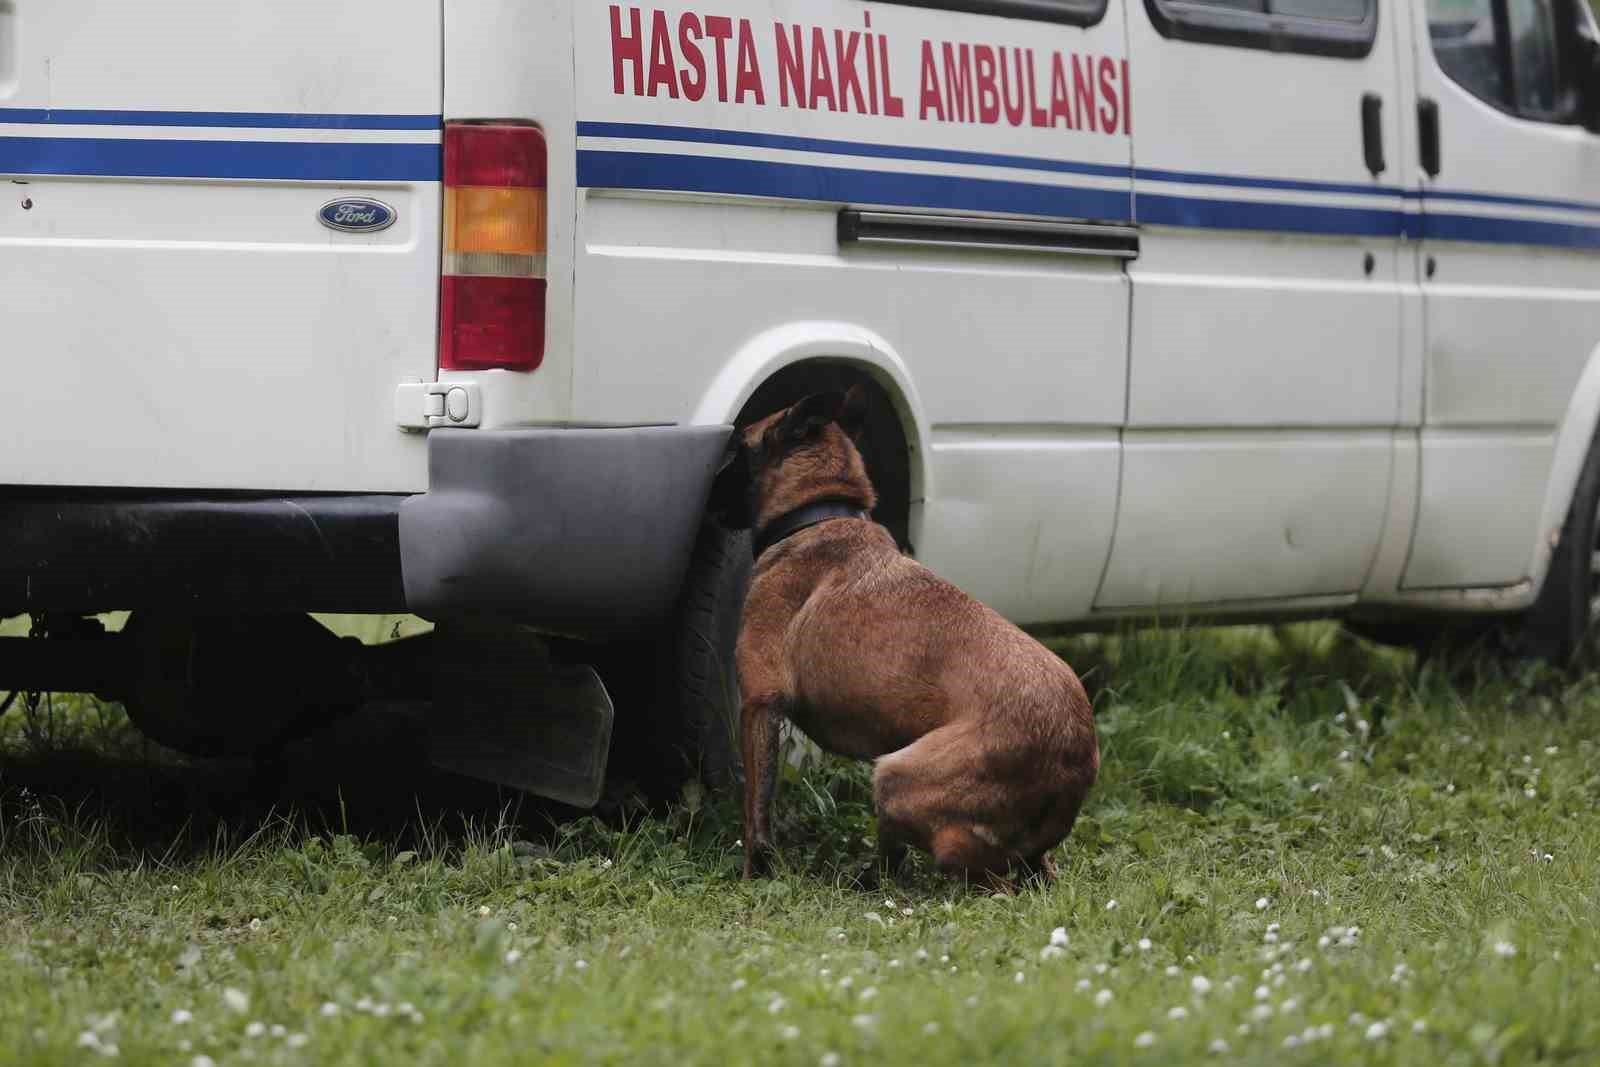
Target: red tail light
<point>493,289</point>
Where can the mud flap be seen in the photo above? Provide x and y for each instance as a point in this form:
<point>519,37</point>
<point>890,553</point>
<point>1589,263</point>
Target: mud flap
<point>503,712</point>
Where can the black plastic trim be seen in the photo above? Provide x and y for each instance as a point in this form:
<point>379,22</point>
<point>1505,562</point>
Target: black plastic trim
<point>983,233</point>
<point>1208,24</point>
<point>1068,11</point>
<point>80,551</point>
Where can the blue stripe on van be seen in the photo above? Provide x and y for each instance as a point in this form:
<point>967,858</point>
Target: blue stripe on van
<point>1253,215</point>
<point>703,174</point>
<point>136,158</point>
<point>1441,227</point>
<point>693,135</point>
<point>275,120</point>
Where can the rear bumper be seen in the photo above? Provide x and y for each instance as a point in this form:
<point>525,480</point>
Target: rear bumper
<point>582,531</point>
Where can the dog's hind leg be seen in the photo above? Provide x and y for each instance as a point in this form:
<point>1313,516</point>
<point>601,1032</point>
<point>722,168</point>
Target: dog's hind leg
<point>758,743</point>
<point>927,794</point>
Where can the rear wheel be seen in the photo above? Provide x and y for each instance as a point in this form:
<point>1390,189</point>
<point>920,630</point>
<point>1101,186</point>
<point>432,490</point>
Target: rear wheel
<point>707,680</point>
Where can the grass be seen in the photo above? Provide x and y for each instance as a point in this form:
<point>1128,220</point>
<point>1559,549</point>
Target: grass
<point>1263,793</point>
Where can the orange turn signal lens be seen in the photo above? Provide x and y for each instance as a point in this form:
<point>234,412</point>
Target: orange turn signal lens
<point>500,220</point>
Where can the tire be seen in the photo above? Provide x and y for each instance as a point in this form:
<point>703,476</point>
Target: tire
<point>1557,627</point>
<point>706,682</point>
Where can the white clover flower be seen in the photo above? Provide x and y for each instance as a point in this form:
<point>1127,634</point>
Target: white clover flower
<point>1362,726</point>
<point>512,956</point>
<point>1530,792</point>
<point>1505,949</point>
<point>930,1028</point>
<point>1102,998</point>
<point>89,1039</point>
<point>296,1040</point>
<point>381,1011</point>
<point>1083,985</point>
<point>1289,1004</point>
<point>1145,944</point>
<point>605,864</point>
<point>483,911</point>
<point>1292,1041</point>
<point>1058,937</point>
<point>236,999</point>
<point>1377,1031</point>
<point>255,1029</point>
<point>1261,1012</point>
<point>185,1045</point>
<point>581,965</point>
<point>1178,1014</point>
<point>1340,718</point>
<point>1419,1026</point>
<point>278,1030</point>
<point>864,1022</point>
<point>1218,1047</point>
<point>893,964</point>
<point>1242,1029</point>
<point>1527,759</point>
<point>972,1001</point>
<point>202,1061</point>
<point>1227,735</point>
<point>1262,992</point>
<point>1324,941</point>
<point>1200,984</point>
<point>788,1031</point>
<point>829,1059</point>
<point>364,1004</point>
<point>776,1005</point>
<point>1325,1031</point>
<point>182,1016</point>
<point>888,903</point>
<point>1270,937</point>
<point>920,955</point>
<point>846,982</point>
<point>1357,1019</point>
<point>1173,970</point>
<point>869,992</point>
<point>329,1009</point>
<point>1050,952</point>
<point>1111,905</point>
<point>1019,978</point>
<point>1344,755</point>
<point>1101,968</point>
<point>1144,1040</point>
<point>1551,750</point>
<point>1261,903</point>
<point>739,983</point>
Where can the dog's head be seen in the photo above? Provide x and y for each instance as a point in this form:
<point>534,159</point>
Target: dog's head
<point>805,452</point>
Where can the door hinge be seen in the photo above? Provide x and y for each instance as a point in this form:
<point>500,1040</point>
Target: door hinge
<point>430,405</point>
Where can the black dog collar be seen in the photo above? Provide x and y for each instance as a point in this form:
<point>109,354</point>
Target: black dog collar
<point>792,522</point>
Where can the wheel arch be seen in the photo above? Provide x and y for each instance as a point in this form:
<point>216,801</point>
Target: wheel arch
<point>1574,435</point>
<point>779,366</point>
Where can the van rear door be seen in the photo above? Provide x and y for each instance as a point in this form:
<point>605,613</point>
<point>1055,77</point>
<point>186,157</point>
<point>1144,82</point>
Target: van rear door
<point>178,309</point>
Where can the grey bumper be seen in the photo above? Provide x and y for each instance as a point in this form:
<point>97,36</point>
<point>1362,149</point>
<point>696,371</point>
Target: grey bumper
<point>580,531</point>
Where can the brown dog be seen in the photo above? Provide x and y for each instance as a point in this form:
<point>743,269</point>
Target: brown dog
<point>984,740</point>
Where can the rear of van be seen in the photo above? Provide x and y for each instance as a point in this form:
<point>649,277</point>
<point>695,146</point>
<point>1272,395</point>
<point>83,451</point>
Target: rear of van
<point>279,325</point>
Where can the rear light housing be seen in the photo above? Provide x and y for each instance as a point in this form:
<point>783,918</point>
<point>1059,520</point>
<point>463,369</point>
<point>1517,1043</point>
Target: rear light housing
<point>492,292</point>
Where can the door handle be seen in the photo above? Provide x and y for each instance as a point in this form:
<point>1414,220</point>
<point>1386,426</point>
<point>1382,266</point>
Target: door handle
<point>1428,135</point>
<point>1372,132</point>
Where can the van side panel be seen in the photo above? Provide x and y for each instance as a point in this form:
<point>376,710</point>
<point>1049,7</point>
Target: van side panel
<point>175,312</point>
<point>716,149</point>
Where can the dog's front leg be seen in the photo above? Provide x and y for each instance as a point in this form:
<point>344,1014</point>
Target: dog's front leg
<point>758,742</point>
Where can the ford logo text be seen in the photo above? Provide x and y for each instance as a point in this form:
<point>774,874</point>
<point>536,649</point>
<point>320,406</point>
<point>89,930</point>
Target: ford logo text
<point>356,214</point>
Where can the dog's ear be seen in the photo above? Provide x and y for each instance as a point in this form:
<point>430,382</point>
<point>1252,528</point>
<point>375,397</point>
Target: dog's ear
<point>730,489</point>
<point>853,414</point>
<point>805,417</point>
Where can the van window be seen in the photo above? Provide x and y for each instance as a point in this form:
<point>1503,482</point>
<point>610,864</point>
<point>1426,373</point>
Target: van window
<point>1470,42</point>
<point>1077,12</point>
<point>1319,27</point>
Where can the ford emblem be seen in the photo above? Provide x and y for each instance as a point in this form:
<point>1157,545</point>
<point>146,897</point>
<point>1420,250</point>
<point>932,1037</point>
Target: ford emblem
<point>356,214</point>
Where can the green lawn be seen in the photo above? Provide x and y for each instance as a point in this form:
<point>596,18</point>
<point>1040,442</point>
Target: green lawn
<point>1301,848</point>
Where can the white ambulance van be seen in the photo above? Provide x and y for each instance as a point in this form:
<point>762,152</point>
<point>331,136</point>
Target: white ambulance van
<point>1176,308</point>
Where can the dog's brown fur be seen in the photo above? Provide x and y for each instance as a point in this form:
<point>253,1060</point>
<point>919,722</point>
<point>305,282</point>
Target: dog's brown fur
<point>984,740</point>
